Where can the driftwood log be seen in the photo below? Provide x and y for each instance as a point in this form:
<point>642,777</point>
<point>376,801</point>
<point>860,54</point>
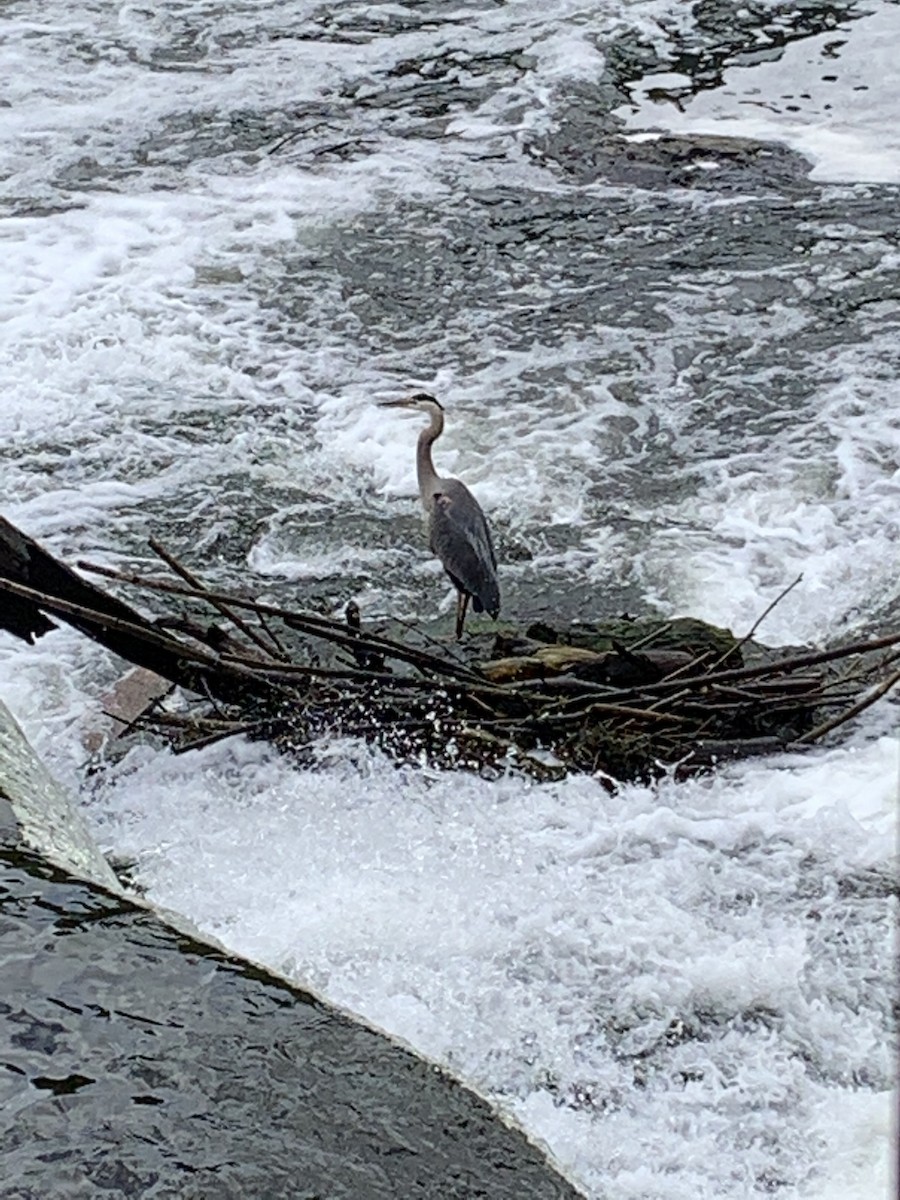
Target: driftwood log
<point>627,699</point>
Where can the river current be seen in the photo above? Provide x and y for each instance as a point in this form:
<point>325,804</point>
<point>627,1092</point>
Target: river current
<point>647,255</point>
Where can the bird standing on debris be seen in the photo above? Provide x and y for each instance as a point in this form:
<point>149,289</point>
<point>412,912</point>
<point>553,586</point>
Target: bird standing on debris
<point>458,531</point>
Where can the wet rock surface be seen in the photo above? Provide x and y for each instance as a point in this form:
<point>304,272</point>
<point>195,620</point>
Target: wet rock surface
<point>141,1063</point>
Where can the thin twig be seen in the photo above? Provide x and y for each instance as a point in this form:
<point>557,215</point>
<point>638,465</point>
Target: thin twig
<point>650,637</point>
<point>756,624</point>
<point>210,739</point>
<point>291,671</point>
<point>807,701</point>
<point>853,711</point>
<point>670,700</point>
<point>136,721</point>
<point>273,637</point>
<point>619,710</point>
<point>697,662</point>
<point>171,561</point>
<point>189,720</point>
<point>432,641</point>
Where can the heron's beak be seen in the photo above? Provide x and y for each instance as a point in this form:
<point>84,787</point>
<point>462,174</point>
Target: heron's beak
<point>404,403</point>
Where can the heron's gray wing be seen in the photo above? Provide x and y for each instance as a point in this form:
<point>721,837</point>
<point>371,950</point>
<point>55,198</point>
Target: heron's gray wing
<point>461,539</point>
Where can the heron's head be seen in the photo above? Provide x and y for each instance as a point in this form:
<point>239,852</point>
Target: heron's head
<point>419,401</point>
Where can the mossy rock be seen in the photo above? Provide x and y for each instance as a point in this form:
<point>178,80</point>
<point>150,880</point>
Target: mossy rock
<point>682,633</point>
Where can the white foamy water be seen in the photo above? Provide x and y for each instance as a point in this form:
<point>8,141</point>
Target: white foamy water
<point>820,500</point>
<point>683,990</point>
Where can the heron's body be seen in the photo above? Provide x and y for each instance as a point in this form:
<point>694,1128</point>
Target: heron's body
<point>458,530</point>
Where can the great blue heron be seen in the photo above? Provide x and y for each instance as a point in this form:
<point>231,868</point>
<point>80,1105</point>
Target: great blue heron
<point>457,529</point>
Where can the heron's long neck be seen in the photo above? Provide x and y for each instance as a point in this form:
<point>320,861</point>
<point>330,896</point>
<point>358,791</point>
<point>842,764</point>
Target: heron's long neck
<point>429,479</point>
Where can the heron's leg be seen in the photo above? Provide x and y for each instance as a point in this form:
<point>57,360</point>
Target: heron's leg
<point>462,603</point>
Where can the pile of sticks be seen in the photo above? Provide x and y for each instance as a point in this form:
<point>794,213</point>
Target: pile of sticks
<point>292,677</point>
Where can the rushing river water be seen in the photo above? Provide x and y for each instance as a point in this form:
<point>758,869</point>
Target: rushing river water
<point>670,367</point>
